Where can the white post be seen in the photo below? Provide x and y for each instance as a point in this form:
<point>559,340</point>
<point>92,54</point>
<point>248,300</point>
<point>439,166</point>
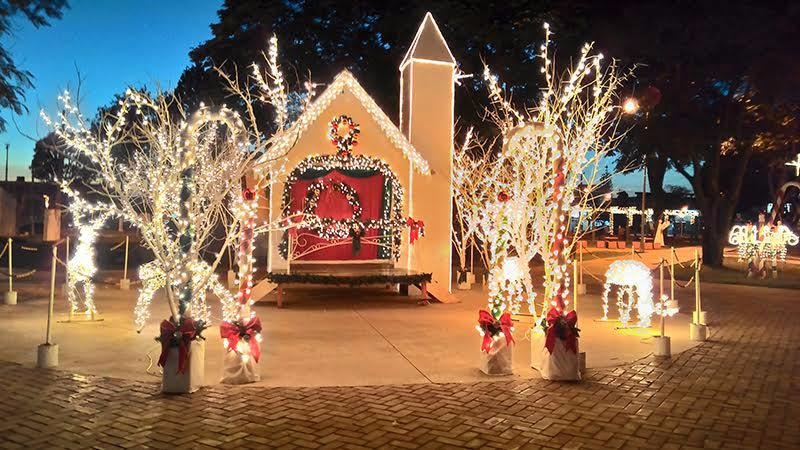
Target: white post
<point>575,285</point>
<point>10,267</point>
<point>52,296</point>
<point>66,262</point>
<point>697,285</point>
<point>672,274</point>
<point>697,329</point>
<point>580,259</point>
<point>661,293</point>
<point>125,266</point>
<point>125,283</point>
<point>47,353</point>
<point>10,297</point>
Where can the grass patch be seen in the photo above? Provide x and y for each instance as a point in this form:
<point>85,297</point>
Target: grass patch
<point>735,272</point>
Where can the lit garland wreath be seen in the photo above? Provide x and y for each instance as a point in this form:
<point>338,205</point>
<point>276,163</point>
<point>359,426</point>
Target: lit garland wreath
<point>326,227</point>
<point>344,143</point>
<point>391,221</point>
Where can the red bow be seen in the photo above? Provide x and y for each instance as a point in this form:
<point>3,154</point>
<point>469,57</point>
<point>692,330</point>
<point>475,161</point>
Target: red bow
<point>562,327</point>
<point>183,334</point>
<point>417,229</point>
<point>233,332</point>
<point>486,321</point>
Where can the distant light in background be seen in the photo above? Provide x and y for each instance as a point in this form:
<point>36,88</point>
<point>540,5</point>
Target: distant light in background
<point>631,106</point>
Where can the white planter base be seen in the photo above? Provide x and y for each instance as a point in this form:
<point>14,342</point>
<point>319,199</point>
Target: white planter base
<point>124,284</point>
<point>561,365</point>
<point>498,361</point>
<point>236,371</point>
<point>47,356</point>
<point>699,317</point>
<point>10,298</point>
<point>663,347</point>
<point>231,279</point>
<point>192,378</point>
<point>581,288</point>
<point>698,332</point>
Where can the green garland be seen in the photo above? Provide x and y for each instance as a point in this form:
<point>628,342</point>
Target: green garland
<point>349,280</point>
<point>391,221</point>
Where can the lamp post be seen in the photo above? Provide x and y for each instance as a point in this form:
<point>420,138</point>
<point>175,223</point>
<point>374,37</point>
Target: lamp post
<point>644,190</point>
<point>631,106</point>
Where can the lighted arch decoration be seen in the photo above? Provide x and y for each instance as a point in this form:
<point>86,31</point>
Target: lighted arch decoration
<point>633,279</point>
<point>391,222</point>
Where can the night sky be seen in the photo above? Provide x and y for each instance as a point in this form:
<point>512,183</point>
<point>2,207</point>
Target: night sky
<point>115,45</point>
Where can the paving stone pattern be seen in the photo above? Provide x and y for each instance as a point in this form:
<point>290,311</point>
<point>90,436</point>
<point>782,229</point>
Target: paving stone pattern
<point>739,390</point>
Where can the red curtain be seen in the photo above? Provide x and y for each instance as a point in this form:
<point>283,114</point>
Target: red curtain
<point>333,204</point>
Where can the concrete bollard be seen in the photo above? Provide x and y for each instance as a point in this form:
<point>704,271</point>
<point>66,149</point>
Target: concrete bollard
<point>47,356</point>
<point>663,346</point>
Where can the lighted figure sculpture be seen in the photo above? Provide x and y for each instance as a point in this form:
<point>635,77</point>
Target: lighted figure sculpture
<point>762,246</point>
<point>635,283</point>
<point>745,238</point>
<point>81,267</point>
<point>776,238</point>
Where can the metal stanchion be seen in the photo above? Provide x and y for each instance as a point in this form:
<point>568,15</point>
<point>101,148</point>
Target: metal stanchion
<point>47,353</point>
<point>10,297</point>
<point>697,329</point>
<point>125,283</point>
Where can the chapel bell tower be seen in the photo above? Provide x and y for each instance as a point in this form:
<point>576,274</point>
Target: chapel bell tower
<point>426,119</point>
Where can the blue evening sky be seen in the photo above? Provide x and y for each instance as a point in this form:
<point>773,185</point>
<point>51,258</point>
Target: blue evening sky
<point>116,44</point>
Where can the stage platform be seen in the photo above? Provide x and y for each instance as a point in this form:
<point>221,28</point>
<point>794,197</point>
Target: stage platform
<point>350,275</point>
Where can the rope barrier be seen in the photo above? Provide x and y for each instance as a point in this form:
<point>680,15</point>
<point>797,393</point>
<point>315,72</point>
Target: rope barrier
<point>18,276</point>
<point>117,246</point>
<point>28,249</point>
<point>5,247</point>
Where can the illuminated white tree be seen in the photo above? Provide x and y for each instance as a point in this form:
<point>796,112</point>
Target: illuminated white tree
<point>472,188</point>
<point>551,160</point>
<point>180,182</point>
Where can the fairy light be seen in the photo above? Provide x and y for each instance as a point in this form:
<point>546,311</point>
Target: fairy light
<point>82,265</point>
<point>549,164</point>
<point>391,222</point>
<point>176,182</point>
<point>345,81</point>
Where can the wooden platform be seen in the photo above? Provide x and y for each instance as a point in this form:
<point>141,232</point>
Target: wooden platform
<point>349,275</point>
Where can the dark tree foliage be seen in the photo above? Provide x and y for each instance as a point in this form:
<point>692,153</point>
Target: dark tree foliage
<point>728,77</point>
<point>13,79</point>
<point>51,162</point>
<point>54,161</point>
<point>370,39</point>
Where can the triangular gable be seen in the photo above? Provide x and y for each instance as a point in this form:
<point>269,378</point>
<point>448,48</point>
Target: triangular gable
<point>346,81</point>
<point>429,44</point>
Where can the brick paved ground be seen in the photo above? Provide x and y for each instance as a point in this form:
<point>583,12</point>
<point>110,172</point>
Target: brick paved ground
<point>739,390</point>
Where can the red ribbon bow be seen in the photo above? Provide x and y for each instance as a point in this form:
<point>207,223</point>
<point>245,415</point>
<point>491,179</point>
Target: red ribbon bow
<point>487,320</point>
<point>233,334</point>
<point>564,330</point>
<point>417,229</point>
<point>183,334</point>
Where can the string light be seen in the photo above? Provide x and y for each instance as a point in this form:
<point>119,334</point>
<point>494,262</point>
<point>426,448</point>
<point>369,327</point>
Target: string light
<point>549,164</point>
<point>345,81</point>
<point>178,184</point>
<point>82,267</point>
